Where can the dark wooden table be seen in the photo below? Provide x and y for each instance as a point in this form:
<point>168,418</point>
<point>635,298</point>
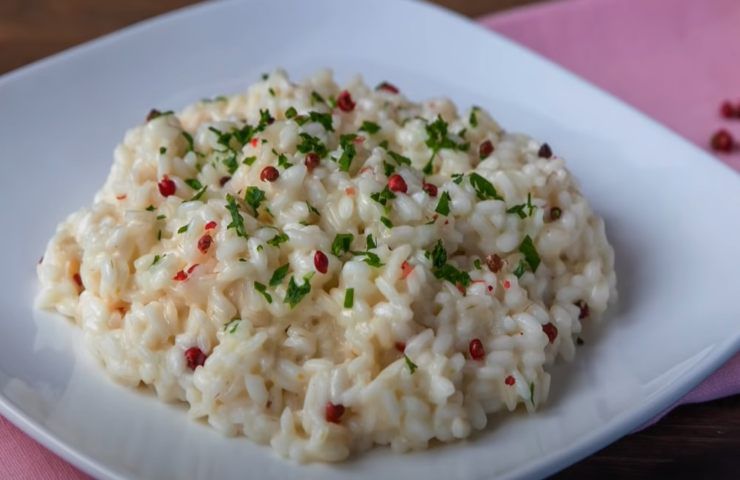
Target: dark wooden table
<point>694,441</point>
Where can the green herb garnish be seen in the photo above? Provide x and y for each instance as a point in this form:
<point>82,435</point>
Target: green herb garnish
<point>443,206</point>
<point>189,139</point>
<point>249,161</point>
<point>313,209</point>
<point>194,183</point>
<point>254,197</point>
<point>438,139</point>
<point>237,221</point>
<point>150,208</point>
<point>341,244</point>
<point>232,325</point>
<point>291,112</point>
<point>183,229</point>
<point>438,255</point>
<point>386,221</point>
<point>412,366</point>
<point>483,188</point>
<point>457,178</point>
<point>162,150</point>
<point>309,143</point>
<point>261,288</point>
<point>399,159</point>
<point>521,267</point>
<point>473,119</point>
<point>324,119</point>
<point>349,298</point>
<point>383,196</point>
<point>371,258</point>
<point>278,275</point>
<point>530,253</point>
<point>370,127</point>
<point>519,209</point>
<point>348,151</point>
<point>198,194</point>
<point>156,260</point>
<point>278,239</point>
<point>295,292</point>
<point>371,242</point>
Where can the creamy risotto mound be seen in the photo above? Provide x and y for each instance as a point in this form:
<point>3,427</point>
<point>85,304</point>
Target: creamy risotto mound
<point>327,268</point>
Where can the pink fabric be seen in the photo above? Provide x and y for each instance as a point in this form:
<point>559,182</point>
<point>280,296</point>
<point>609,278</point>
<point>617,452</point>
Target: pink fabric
<point>673,59</point>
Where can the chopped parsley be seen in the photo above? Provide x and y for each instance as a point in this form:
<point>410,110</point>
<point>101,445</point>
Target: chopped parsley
<point>457,178</point>
<point>183,229</point>
<point>476,264</point>
<point>278,275</point>
<point>386,221</point>
<point>483,188</point>
<point>445,271</point>
<point>237,221</point>
<point>309,143</point>
<point>371,241</point>
<point>271,92</point>
<point>249,161</point>
<point>399,159</point>
<point>438,139</point>
<point>313,209</point>
<point>371,258</point>
<point>232,325</point>
<point>349,298</point>
<point>443,206</point>
<point>265,120</point>
<point>341,244</point>
<point>194,183</point>
<point>229,160</point>
<point>150,208</point>
<point>198,195</point>
<point>278,239</point>
<point>348,151</point>
<point>316,98</point>
<point>162,150</point>
<point>156,260</point>
<point>370,127</point>
<point>531,393</point>
<point>189,139</point>
<point>295,292</point>
<point>438,255</point>
<point>156,114</point>
<point>388,169</point>
<point>254,197</point>
<point>324,119</point>
<point>521,267</point>
<point>530,253</point>
<point>383,196</point>
<point>261,288</point>
<point>161,217</point>
<point>519,209</point>
<point>291,112</point>
<point>473,119</point>
<point>412,366</point>
<point>283,161</point>
<point>452,274</point>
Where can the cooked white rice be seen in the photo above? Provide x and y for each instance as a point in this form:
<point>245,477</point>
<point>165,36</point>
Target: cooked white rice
<point>330,376</point>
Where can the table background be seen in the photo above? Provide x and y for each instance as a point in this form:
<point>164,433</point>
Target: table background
<point>696,441</point>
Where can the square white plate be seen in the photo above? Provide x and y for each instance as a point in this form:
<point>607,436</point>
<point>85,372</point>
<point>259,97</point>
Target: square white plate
<point>671,211</point>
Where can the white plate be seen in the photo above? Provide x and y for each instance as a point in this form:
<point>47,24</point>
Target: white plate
<point>671,212</point>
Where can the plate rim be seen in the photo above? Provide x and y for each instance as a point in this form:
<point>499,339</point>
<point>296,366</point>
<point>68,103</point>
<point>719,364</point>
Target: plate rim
<point>619,426</point>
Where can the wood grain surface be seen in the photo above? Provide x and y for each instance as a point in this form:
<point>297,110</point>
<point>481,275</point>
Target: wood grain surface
<point>693,441</point>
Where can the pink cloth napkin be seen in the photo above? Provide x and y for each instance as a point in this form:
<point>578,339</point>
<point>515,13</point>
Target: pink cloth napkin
<point>676,60</point>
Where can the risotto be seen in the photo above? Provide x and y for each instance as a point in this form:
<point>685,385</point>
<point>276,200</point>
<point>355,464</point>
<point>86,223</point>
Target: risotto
<point>327,268</point>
